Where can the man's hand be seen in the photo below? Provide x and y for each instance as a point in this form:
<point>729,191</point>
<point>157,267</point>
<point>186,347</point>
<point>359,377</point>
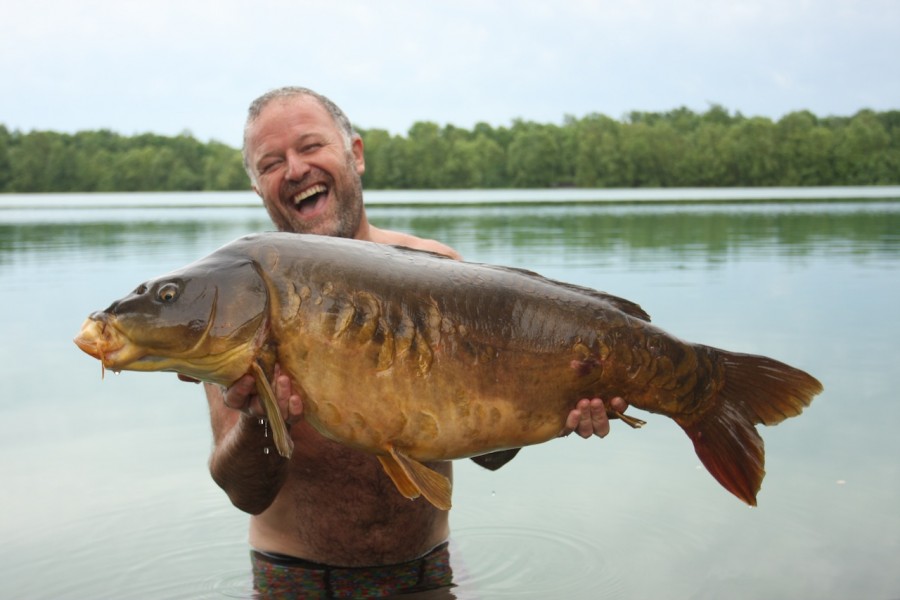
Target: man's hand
<point>242,396</point>
<point>589,417</point>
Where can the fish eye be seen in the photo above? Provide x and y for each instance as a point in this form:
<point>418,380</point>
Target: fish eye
<point>168,292</point>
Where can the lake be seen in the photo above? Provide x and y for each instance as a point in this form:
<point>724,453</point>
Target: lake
<point>105,489</point>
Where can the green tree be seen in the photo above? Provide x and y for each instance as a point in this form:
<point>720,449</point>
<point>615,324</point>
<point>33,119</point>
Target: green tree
<point>533,159</point>
<point>598,154</point>
<point>804,150</point>
<point>704,162</point>
<point>751,150</point>
<point>428,151</point>
<point>375,142</point>
<point>674,148</point>
<point>223,168</point>
<point>490,158</point>
<point>5,164</point>
<point>650,149</point>
<point>861,150</point>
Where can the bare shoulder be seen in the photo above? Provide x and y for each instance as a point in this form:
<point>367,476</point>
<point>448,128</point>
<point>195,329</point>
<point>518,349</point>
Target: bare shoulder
<point>397,238</point>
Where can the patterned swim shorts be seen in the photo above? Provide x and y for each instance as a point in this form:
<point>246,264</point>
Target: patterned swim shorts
<point>286,577</point>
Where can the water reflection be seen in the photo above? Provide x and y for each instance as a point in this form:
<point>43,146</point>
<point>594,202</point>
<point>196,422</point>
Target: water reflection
<point>106,492</point>
<point>694,229</point>
<point>698,232</point>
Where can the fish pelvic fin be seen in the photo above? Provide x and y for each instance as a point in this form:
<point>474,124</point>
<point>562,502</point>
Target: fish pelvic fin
<point>413,479</point>
<point>404,485</point>
<point>757,390</point>
<point>283,443</point>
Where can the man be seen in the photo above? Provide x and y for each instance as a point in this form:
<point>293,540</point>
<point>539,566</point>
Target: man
<point>327,520</point>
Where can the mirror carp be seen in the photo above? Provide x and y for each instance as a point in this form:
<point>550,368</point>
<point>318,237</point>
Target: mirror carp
<point>416,357</point>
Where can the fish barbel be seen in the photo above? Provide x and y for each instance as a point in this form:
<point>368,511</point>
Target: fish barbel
<point>415,357</point>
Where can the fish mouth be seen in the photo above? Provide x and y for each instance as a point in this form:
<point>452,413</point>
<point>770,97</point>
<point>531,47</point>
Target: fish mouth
<point>102,340</point>
<point>309,201</point>
<point>103,337</point>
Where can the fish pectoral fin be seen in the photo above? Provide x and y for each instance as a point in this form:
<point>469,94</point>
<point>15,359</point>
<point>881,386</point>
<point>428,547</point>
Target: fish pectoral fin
<point>412,479</point>
<point>283,442</point>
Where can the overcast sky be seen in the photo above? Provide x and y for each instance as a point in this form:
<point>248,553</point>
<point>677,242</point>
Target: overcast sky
<point>166,66</point>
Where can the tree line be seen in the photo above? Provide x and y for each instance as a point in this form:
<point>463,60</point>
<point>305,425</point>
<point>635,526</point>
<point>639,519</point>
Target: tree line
<point>104,161</point>
<point>679,148</point>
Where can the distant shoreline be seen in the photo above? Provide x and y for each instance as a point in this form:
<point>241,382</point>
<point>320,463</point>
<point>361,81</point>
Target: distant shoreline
<point>486,197</point>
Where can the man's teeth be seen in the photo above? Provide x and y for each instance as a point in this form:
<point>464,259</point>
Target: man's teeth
<point>309,192</point>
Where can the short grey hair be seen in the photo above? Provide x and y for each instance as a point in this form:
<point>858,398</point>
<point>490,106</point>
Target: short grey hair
<point>286,93</point>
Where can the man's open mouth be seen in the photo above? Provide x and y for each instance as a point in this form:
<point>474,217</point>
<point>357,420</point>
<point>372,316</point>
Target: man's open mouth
<point>308,200</point>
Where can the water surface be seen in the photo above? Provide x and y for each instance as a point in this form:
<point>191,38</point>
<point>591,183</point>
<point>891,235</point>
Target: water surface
<point>105,488</point>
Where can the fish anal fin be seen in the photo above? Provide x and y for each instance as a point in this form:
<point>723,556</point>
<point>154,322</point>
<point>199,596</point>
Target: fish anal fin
<point>494,460</point>
<point>283,443</point>
<point>404,485</point>
<point>435,487</point>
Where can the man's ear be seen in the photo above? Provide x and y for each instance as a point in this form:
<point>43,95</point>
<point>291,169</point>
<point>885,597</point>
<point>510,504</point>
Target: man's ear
<point>356,147</point>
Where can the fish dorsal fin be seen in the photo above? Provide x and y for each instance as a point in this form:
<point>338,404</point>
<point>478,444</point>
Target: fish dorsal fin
<point>413,479</point>
<point>626,306</point>
<point>280,434</point>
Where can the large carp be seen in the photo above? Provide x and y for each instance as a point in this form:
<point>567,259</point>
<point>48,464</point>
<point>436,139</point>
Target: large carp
<point>415,357</point>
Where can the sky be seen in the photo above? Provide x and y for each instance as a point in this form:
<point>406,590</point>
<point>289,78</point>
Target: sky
<point>174,66</point>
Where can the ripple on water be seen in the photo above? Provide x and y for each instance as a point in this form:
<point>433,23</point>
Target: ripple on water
<point>524,562</point>
<point>194,571</point>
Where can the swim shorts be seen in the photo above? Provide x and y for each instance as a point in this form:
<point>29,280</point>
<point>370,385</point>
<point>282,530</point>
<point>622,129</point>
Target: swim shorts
<point>287,577</point>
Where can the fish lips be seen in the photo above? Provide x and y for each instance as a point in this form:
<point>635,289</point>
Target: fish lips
<point>100,339</point>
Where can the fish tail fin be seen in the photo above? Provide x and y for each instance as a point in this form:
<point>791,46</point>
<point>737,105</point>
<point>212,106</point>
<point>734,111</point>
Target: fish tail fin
<point>756,390</point>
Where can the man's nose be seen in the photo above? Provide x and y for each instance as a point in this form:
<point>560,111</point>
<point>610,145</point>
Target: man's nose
<point>296,166</point>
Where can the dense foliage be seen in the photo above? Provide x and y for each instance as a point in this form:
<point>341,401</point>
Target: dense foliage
<point>103,161</point>
<point>679,148</point>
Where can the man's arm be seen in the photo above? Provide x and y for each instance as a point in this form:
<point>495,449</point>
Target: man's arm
<point>244,462</point>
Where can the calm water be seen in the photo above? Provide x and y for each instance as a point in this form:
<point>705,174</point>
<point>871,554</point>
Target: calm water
<point>105,491</point>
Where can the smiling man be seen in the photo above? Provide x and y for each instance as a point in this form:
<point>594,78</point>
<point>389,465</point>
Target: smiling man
<point>306,163</point>
<point>328,521</point>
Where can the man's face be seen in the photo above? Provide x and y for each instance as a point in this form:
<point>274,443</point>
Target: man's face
<point>307,177</point>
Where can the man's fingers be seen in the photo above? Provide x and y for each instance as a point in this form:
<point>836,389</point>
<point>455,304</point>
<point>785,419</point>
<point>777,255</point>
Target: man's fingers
<point>618,404</point>
<point>585,422</point>
<point>589,418</point>
<point>599,419</point>
<point>238,396</point>
<point>282,389</point>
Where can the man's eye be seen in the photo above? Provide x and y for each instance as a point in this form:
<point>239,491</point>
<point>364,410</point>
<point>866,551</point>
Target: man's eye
<point>266,167</point>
